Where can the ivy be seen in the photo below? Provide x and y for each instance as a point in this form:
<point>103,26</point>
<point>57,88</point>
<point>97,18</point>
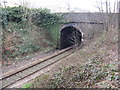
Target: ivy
<point>14,14</point>
<point>3,18</point>
<point>43,18</point>
<point>39,17</point>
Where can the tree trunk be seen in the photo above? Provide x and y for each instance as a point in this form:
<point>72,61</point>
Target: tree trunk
<point>119,15</point>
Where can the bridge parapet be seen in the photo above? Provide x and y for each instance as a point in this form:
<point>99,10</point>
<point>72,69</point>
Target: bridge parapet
<point>90,17</point>
<point>92,25</point>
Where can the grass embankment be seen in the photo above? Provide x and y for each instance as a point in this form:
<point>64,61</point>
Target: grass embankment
<point>95,66</point>
<point>26,32</point>
<point>24,41</point>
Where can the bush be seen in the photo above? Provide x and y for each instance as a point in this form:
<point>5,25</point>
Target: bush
<point>43,18</point>
<point>39,17</point>
<point>3,19</point>
<point>14,14</point>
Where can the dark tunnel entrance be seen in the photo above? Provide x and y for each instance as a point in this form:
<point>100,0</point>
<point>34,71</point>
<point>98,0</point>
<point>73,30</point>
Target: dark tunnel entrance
<point>70,36</point>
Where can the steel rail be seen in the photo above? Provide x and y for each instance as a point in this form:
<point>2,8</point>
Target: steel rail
<point>40,61</point>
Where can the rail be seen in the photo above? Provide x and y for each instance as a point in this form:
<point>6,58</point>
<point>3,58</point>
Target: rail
<point>13,76</point>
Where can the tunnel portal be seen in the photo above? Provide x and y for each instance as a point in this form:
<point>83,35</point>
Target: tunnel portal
<point>70,36</point>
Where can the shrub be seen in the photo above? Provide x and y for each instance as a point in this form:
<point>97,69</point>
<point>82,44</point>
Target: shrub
<point>14,14</point>
<point>3,18</point>
<point>43,18</point>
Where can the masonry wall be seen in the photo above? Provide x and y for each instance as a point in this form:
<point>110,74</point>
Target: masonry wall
<point>91,17</point>
<point>91,24</point>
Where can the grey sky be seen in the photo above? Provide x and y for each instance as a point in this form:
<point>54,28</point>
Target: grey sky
<point>63,5</point>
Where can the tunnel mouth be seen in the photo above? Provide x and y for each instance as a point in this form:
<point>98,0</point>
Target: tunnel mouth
<point>70,36</point>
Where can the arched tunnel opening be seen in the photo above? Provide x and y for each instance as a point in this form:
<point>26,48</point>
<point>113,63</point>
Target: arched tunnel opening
<point>70,36</point>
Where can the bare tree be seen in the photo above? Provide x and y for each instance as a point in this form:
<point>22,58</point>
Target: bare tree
<point>108,9</point>
<point>4,3</point>
<point>4,30</point>
<point>119,15</point>
<point>101,6</point>
<point>68,5</point>
<point>0,2</point>
<point>25,3</point>
<point>106,6</point>
<point>98,6</point>
<point>114,9</point>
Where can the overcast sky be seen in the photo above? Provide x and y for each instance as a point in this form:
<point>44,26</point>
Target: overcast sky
<point>62,5</point>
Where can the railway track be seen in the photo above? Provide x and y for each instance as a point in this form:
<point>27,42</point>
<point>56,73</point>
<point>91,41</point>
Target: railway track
<point>14,77</point>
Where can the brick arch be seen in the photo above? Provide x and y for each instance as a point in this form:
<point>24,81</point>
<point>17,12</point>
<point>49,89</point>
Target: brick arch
<point>69,36</point>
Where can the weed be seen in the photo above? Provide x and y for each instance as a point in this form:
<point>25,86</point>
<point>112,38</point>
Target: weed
<point>91,72</point>
<point>27,85</point>
<point>66,69</point>
<point>55,83</point>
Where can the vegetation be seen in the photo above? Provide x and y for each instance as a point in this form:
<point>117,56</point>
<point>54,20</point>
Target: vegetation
<point>95,66</point>
<point>85,76</point>
<point>27,32</point>
<point>45,19</point>
<point>28,85</point>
